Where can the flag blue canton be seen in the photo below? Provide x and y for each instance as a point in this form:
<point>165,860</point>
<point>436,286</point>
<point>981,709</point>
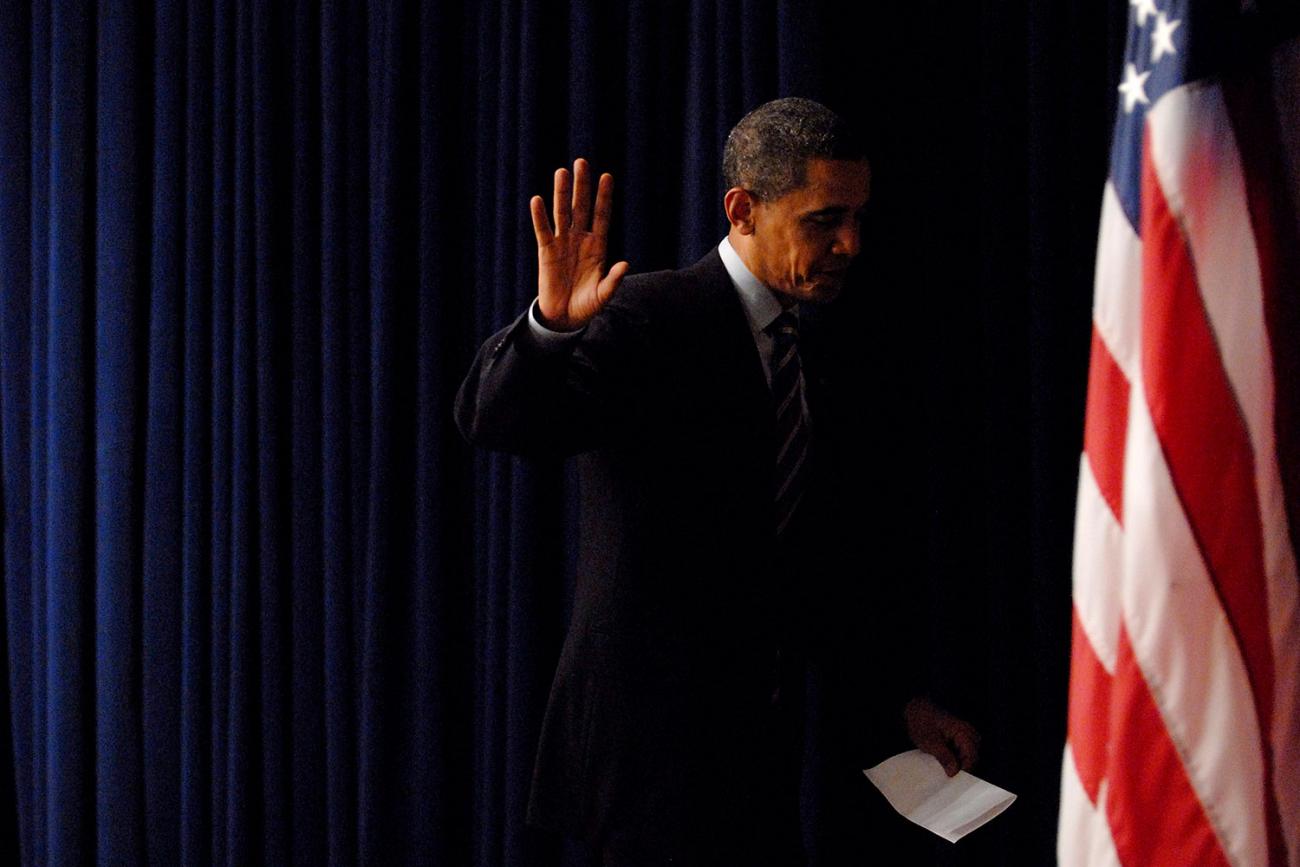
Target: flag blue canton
<point>1170,43</point>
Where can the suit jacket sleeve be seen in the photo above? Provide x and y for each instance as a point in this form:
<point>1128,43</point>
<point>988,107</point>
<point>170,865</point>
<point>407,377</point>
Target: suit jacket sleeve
<point>524,398</point>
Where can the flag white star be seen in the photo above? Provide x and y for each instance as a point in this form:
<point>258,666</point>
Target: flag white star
<point>1162,38</point>
<point>1134,87</point>
<point>1145,9</point>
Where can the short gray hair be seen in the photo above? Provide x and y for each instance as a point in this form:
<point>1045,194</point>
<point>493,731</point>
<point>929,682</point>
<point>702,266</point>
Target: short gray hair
<point>767,153</point>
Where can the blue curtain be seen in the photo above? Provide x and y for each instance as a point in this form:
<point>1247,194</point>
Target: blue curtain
<point>261,604</point>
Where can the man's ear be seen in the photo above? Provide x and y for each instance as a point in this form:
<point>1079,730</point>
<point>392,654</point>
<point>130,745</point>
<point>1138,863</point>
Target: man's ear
<point>739,205</point>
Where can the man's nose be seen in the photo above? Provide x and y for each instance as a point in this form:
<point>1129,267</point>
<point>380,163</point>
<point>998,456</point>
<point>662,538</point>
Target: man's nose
<point>848,240</point>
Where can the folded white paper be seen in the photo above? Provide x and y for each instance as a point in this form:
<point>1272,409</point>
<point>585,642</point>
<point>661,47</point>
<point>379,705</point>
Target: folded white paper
<point>916,786</point>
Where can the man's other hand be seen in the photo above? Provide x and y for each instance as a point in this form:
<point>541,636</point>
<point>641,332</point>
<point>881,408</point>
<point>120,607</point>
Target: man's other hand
<point>571,282</point>
<point>954,742</point>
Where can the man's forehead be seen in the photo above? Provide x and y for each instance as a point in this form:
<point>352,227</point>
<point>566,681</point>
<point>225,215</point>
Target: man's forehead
<point>852,172</point>
<point>838,183</point>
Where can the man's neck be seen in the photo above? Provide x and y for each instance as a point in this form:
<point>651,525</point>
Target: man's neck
<point>741,244</point>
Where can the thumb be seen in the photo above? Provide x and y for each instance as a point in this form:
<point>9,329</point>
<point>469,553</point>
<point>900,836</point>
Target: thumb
<point>607,286</point>
<point>945,755</point>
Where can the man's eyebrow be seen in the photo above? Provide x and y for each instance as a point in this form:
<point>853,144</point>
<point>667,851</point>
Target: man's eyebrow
<point>829,211</point>
<point>834,211</point>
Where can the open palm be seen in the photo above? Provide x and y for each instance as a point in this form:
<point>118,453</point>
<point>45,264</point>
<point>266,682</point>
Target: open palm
<point>572,284</point>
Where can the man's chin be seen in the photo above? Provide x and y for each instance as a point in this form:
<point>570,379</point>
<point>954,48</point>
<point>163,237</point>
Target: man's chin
<point>823,288</point>
<point>820,289</point>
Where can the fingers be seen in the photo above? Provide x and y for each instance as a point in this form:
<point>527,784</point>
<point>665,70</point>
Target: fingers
<point>581,195</point>
<point>571,205</point>
<point>951,740</point>
<point>560,202</point>
<point>946,758</point>
<point>604,206</point>
<point>959,745</point>
<point>933,742</point>
<point>541,226</point>
<point>966,741</point>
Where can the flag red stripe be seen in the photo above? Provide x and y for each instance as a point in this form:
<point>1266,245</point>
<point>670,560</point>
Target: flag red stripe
<point>1204,439</point>
<point>1106,424</point>
<point>1089,719</point>
<point>1155,816</point>
<point>1206,445</point>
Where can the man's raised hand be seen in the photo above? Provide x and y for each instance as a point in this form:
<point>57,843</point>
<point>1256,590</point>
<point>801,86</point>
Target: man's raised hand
<point>571,281</point>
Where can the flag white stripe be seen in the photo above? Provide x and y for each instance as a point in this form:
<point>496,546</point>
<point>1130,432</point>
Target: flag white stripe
<point>1117,289</point>
<point>1084,839</point>
<point>1186,648</point>
<point>1097,567</point>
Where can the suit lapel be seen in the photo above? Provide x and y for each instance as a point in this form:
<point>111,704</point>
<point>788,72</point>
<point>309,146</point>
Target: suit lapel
<point>729,326</point>
<point>735,341</point>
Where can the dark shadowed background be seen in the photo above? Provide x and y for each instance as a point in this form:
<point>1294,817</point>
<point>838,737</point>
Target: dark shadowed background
<point>262,604</point>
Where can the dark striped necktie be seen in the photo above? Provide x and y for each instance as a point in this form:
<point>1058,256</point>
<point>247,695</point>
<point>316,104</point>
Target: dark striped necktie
<point>792,434</point>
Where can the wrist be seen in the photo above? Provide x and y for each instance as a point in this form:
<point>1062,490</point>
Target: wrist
<point>546,333</point>
<point>552,320</point>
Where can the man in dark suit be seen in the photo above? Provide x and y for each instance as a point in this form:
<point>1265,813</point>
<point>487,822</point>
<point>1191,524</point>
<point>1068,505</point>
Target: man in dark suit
<point>718,572</point>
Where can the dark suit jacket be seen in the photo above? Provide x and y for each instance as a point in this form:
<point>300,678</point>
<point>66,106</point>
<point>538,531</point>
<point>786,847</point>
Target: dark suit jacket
<point>662,698</point>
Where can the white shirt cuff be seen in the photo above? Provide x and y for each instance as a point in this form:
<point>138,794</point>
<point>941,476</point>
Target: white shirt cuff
<point>548,338</point>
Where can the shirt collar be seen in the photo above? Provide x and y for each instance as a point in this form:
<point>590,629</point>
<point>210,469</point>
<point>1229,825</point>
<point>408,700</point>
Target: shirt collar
<point>760,303</point>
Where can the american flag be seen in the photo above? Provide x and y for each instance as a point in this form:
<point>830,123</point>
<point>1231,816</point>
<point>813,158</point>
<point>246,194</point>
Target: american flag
<point>1183,743</point>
